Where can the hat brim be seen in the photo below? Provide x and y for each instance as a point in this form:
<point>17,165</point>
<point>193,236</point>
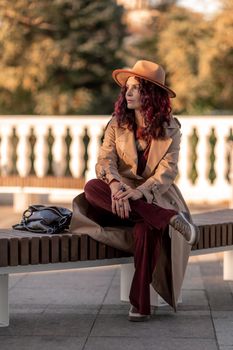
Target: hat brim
<point>121,76</point>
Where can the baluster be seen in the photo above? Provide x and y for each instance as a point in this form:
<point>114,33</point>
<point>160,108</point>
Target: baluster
<point>5,150</point>
<point>220,165</point>
<point>41,151</point>
<point>202,162</point>
<point>23,150</point>
<point>184,157</point>
<point>76,151</point>
<point>95,133</point>
<point>59,150</point>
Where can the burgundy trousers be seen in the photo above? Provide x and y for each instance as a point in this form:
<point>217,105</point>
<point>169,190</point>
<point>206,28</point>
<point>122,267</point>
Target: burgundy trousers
<point>149,221</point>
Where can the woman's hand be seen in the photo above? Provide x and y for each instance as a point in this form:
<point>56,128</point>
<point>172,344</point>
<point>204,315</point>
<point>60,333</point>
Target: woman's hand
<point>128,192</point>
<point>119,206</point>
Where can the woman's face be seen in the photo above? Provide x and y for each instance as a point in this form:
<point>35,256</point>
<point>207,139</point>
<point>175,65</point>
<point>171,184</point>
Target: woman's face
<point>132,94</point>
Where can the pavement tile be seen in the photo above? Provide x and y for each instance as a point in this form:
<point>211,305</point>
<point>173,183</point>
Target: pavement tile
<point>161,325</point>
<point>194,298</point>
<point>223,323</point>
<point>50,324</point>
<point>73,309</point>
<point>138,343</point>
<point>193,277</point>
<point>92,295</point>
<point>38,343</point>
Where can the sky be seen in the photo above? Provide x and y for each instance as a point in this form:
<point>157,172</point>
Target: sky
<point>205,6</point>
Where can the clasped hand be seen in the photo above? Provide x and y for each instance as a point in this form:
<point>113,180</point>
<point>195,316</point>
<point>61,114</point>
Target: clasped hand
<point>121,194</point>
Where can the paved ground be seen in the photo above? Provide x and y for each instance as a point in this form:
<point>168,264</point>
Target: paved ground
<point>81,310</point>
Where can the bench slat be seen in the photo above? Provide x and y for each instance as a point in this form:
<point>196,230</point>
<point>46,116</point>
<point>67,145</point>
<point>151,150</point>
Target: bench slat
<point>101,251</point>
<point>24,251</point>
<point>44,250</point>
<point>84,247</point>
<point>34,250</point>
<point>74,248</point>
<point>54,249</point>
<point>4,252</point>
<point>93,249</point>
<point>13,252</point>
<point>64,245</point>
<point>229,234</point>
<point>206,236</point>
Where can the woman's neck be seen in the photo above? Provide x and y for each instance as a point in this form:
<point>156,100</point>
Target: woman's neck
<point>139,118</point>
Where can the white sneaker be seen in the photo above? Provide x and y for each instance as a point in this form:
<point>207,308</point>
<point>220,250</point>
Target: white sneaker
<point>188,230</point>
<point>135,316</point>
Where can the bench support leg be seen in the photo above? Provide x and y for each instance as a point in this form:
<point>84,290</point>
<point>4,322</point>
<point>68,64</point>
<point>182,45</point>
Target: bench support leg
<point>227,265</point>
<point>4,305</point>
<point>127,271</point>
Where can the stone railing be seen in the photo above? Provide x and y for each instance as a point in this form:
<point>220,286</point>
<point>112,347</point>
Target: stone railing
<point>68,146</point>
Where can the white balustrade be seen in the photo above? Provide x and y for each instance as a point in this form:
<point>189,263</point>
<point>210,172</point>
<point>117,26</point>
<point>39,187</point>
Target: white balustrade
<point>201,190</point>
<point>59,149</point>
<point>41,150</point>
<point>184,158</point>
<point>220,165</point>
<point>23,150</point>
<point>95,134</point>
<point>76,151</point>
<point>5,150</point>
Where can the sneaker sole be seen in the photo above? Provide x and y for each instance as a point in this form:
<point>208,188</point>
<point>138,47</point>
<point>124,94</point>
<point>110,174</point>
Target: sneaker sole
<point>195,232</point>
<point>140,318</point>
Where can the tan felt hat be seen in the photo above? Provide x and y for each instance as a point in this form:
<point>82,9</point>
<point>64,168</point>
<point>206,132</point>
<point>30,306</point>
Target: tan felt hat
<point>146,70</point>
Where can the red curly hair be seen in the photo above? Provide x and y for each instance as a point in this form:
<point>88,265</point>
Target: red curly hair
<point>156,109</point>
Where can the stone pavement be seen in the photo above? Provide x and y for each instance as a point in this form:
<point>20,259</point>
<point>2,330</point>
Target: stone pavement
<point>81,310</point>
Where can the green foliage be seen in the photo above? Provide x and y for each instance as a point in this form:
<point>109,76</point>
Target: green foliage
<point>197,53</point>
<point>57,56</point>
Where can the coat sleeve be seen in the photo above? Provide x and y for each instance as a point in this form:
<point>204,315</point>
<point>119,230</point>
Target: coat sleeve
<point>107,162</point>
<point>165,173</point>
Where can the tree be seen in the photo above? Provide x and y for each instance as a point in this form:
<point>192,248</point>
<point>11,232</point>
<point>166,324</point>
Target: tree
<point>57,56</point>
<point>181,45</point>
<point>220,63</point>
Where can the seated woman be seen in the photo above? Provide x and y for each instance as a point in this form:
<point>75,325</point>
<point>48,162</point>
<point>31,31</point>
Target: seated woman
<point>134,204</point>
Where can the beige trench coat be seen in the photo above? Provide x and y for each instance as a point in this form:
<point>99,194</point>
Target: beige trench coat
<point>118,160</point>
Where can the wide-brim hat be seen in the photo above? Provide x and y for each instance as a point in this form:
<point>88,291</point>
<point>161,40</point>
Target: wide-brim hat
<point>147,70</point>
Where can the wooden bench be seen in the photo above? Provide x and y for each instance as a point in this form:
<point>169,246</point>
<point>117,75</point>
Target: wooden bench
<point>27,252</point>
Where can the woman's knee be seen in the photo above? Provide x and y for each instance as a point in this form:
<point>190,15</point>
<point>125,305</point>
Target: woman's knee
<point>94,187</point>
<point>91,185</point>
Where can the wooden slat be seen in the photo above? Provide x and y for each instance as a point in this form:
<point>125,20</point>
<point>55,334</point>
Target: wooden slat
<point>201,240</point>
<point>212,236</point>
<point>3,252</point>
<point>13,251</point>
<point>74,248</point>
<point>93,249</point>
<point>218,236</point>
<point>54,249</point>
<point>102,251</point>
<point>224,234</point>
<point>34,247</point>
<point>110,252</point>
<point>229,234</point>
<point>64,245</point>
<point>44,250</point>
<point>83,247</point>
<point>206,237</point>
<point>24,251</point>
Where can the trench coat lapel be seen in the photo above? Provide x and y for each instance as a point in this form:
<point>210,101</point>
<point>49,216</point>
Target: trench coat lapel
<point>156,152</point>
<point>126,141</point>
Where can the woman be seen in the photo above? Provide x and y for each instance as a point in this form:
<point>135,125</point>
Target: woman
<point>134,204</point>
